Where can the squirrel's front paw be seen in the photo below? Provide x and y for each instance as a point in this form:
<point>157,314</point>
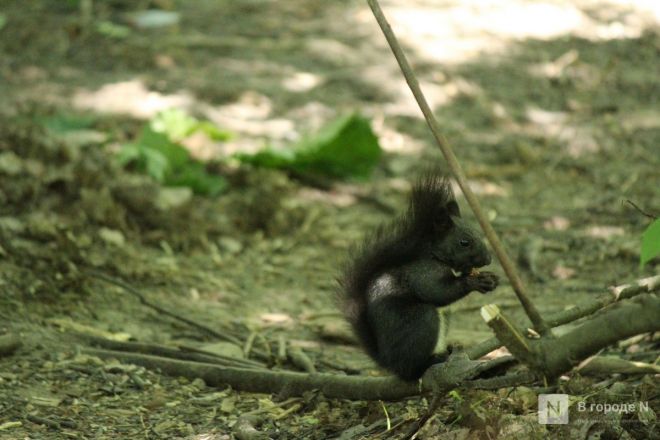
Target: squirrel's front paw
<point>483,281</point>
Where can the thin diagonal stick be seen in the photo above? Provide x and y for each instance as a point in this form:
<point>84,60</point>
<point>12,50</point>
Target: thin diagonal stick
<point>457,171</point>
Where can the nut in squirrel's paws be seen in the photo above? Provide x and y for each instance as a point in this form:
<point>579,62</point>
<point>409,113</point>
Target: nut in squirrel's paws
<point>474,272</point>
<point>483,281</point>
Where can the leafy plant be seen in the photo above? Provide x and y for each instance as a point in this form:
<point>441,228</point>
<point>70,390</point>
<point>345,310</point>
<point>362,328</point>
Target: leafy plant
<point>650,243</point>
<point>178,125</point>
<point>76,130</point>
<point>64,122</point>
<point>347,147</point>
<point>169,163</point>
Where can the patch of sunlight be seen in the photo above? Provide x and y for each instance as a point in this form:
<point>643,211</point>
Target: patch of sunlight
<point>402,103</point>
<point>604,232</point>
<point>130,98</point>
<point>301,82</point>
<point>342,196</point>
<point>454,32</point>
<point>576,140</point>
<point>481,188</point>
<point>394,141</point>
<point>250,115</point>
<point>649,7</point>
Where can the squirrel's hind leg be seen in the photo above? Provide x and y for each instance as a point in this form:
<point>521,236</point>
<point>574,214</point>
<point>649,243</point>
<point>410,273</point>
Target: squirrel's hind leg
<point>406,338</point>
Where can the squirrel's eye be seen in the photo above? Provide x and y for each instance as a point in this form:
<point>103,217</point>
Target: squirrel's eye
<point>464,242</point>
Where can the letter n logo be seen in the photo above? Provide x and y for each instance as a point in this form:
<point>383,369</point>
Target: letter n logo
<point>553,409</point>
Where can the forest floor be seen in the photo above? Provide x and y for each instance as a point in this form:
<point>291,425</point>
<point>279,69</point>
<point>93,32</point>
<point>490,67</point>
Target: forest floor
<point>554,111</point>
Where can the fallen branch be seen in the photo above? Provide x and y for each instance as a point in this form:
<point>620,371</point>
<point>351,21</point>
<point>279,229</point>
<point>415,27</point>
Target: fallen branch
<point>553,356</point>
<point>618,293</point>
<point>634,316</point>
<point>295,384</point>
<point>268,381</point>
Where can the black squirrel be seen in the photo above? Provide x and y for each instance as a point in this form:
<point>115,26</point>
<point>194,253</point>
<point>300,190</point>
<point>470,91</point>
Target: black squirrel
<point>425,259</point>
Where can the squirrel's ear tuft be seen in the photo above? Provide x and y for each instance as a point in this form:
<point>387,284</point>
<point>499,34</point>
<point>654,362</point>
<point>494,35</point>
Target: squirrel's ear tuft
<point>452,209</point>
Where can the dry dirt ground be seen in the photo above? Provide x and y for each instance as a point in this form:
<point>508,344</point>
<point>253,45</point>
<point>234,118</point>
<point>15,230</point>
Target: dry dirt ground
<point>552,107</point>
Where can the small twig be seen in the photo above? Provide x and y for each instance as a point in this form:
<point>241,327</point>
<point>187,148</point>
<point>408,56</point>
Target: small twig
<point>360,431</point>
<point>143,300</point>
<point>321,315</point>
<point>506,381</point>
<point>509,380</point>
<point>248,344</point>
<point>43,421</point>
<point>641,211</point>
<point>418,424</point>
<point>268,352</point>
<point>183,353</point>
<point>472,307</point>
<point>281,348</point>
<point>244,361</point>
<point>268,408</point>
<point>457,171</point>
<point>387,416</point>
<point>340,367</point>
<point>53,424</point>
<point>301,360</point>
<point>293,408</point>
<point>612,364</point>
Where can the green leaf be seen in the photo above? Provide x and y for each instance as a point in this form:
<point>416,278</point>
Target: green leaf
<point>195,177</point>
<point>169,163</point>
<point>156,164</point>
<point>175,154</point>
<point>145,159</point>
<point>64,123</point>
<point>174,123</point>
<point>178,125</point>
<point>347,147</point>
<point>3,21</point>
<point>268,158</point>
<point>212,131</point>
<point>128,154</point>
<point>650,243</point>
